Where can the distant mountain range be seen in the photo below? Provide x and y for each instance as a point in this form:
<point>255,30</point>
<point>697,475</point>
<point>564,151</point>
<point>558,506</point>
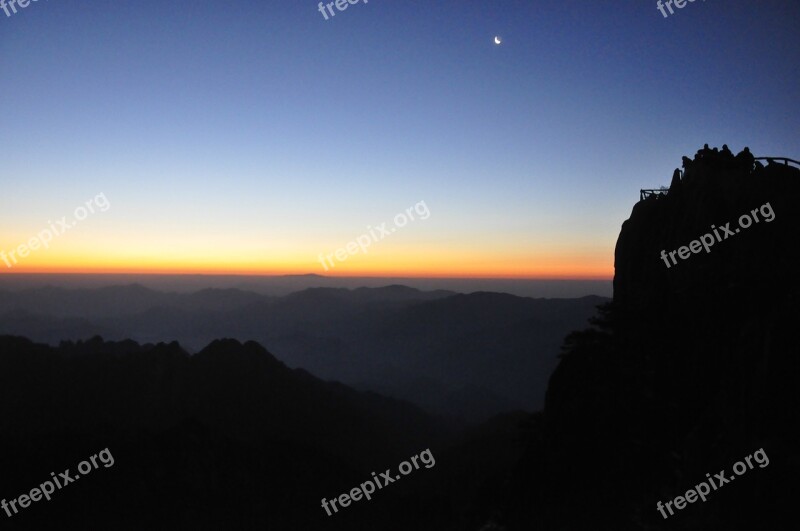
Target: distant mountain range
<point>468,356</point>
<point>281,285</point>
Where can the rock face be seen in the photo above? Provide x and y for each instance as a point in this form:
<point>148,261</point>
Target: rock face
<point>714,192</point>
<point>691,368</point>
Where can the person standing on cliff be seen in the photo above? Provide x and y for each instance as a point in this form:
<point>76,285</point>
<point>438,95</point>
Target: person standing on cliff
<point>676,180</point>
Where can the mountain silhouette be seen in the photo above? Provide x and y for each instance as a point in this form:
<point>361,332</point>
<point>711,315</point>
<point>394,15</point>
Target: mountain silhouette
<point>690,369</point>
<point>466,356</point>
<point>229,435</point>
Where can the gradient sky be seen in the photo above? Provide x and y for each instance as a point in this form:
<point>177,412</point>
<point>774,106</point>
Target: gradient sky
<point>251,136</point>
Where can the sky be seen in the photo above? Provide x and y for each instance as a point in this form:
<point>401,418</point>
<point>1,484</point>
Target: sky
<point>257,137</point>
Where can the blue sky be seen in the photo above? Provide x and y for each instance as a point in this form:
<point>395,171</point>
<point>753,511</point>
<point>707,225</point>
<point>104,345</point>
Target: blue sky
<point>251,136</point>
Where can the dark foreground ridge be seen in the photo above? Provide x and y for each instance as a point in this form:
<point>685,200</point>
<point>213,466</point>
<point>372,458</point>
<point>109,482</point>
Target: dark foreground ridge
<point>688,370</point>
<point>228,438</point>
<point>219,440</point>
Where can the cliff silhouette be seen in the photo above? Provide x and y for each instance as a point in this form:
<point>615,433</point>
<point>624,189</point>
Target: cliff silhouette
<point>691,368</point>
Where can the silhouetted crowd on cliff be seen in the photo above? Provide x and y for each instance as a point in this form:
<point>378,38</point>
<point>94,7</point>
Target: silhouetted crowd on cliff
<point>707,158</point>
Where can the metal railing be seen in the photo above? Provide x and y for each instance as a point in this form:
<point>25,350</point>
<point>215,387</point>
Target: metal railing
<point>644,194</point>
<point>651,192</point>
<point>785,160</point>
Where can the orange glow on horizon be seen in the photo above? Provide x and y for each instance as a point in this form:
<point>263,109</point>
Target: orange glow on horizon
<point>418,261</point>
<point>573,273</point>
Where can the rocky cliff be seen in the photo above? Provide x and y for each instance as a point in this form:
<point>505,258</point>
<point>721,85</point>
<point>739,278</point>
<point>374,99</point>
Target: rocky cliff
<point>692,367</point>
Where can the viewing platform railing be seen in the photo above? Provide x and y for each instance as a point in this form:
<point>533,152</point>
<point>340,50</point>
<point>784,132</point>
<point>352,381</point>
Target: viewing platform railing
<point>644,194</point>
<point>780,159</point>
<point>650,192</point>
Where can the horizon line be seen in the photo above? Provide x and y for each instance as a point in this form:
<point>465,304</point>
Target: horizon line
<point>290,275</point>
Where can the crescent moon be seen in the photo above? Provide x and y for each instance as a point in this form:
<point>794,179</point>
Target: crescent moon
<point>497,40</point>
